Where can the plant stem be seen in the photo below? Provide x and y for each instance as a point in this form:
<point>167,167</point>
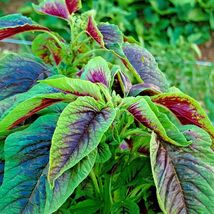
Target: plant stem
<point>107,195</point>
<point>83,56</point>
<point>94,180</point>
<point>55,38</point>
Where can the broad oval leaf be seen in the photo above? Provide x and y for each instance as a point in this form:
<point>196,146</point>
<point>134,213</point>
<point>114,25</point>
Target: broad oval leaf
<point>19,74</point>
<point>60,8</point>
<point>145,65</point>
<point>97,71</point>
<point>184,176</point>
<point>11,102</point>
<point>11,25</point>
<point>75,87</point>
<point>103,153</point>
<point>25,188</point>
<point>30,107</point>
<point>112,37</point>
<point>79,130</point>
<point>187,110</point>
<point>147,114</point>
<point>46,48</point>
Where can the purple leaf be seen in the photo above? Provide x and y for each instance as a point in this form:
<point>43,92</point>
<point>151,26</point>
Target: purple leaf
<point>184,176</point>
<point>59,8</point>
<point>19,74</point>
<point>144,89</point>
<point>107,35</point>
<point>97,71</point>
<point>145,65</point>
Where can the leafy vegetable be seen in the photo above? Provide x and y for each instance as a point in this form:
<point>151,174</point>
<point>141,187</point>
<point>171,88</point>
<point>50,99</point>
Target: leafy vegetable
<point>96,127</point>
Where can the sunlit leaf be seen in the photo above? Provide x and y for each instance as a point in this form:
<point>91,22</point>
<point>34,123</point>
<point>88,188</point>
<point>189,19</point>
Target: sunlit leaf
<point>75,87</point>
<point>79,131</point>
<point>184,176</point>
<point>30,107</point>
<point>97,71</point>
<point>11,25</point>
<point>11,102</point>
<point>187,110</point>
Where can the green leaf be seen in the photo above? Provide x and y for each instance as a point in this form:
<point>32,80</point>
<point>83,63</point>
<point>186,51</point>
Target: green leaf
<point>11,102</point>
<point>76,87</point>
<point>25,188</point>
<point>137,172</point>
<point>128,206</point>
<point>147,114</point>
<point>11,25</point>
<point>184,176</point>
<point>97,71</point>
<point>103,153</point>
<point>30,107</point>
<point>79,130</point>
<point>45,47</point>
<point>172,130</point>
<point>68,182</point>
<point>187,110</point>
<point>107,35</point>
<point>2,162</point>
<point>86,206</point>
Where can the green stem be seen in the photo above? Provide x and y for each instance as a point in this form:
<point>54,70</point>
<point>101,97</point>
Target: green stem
<point>107,195</point>
<point>77,37</point>
<point>94,180</point>
<point>83,56</point>
<point>135,74</point>
<point>55,38</point>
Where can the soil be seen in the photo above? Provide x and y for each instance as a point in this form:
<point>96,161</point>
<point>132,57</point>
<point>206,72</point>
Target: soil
<point>9,8</point>
<point>207,50</point>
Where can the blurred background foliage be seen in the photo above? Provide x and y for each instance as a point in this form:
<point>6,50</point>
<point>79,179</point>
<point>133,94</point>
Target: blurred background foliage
<point>179,33</point>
